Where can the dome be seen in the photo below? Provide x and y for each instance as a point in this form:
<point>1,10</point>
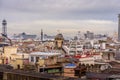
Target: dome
<point>59,37</point>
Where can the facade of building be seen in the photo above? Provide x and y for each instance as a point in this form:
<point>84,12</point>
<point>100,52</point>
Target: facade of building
<point>45,58</point>
<point>13,58</point>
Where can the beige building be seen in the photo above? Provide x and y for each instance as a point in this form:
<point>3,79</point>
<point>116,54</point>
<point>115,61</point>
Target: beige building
<point>8,51</point>
<point>10,56</point>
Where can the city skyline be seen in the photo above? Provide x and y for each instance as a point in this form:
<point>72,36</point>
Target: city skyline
<point>68,16</point>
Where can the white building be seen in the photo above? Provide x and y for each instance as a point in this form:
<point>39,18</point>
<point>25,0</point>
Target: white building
<point>35,56</point>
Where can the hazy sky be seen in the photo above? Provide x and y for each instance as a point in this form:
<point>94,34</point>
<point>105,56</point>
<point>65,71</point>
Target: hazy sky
<point>68,16</point>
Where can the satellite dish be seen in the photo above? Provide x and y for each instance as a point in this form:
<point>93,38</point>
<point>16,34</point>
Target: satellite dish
<point>102,68</point>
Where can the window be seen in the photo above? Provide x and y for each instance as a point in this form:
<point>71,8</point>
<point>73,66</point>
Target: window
<point>32,59</point>
<point>37,59</point>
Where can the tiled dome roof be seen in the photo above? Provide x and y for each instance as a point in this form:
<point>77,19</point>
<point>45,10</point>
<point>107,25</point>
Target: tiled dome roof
<point>59,37</point>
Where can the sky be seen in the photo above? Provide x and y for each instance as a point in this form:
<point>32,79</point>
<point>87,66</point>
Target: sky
<point>64,16</point>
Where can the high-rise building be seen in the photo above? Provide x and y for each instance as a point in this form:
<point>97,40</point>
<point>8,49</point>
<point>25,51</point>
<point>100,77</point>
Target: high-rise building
<point>89,35</point>
<point>119,27</point>
<point>4,27</point>
<point>41,35</point>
